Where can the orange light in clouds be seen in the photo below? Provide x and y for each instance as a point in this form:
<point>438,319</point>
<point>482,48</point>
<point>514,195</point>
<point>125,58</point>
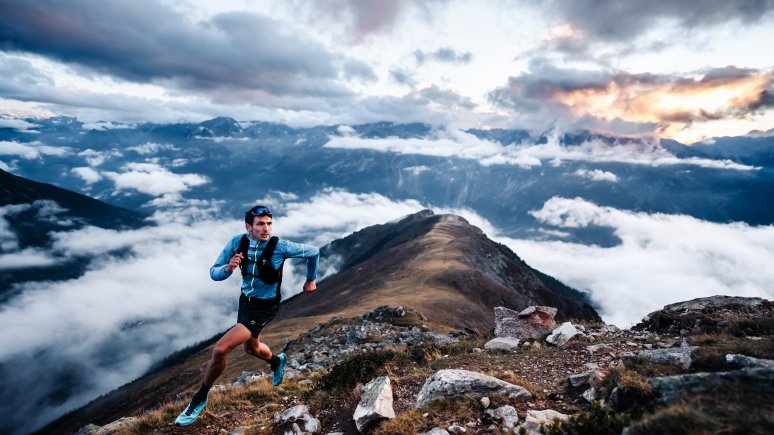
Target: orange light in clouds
<point>673,105</point>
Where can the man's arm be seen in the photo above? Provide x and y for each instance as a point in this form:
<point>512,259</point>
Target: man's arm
<point>227,261</point>
<point>312,256</point>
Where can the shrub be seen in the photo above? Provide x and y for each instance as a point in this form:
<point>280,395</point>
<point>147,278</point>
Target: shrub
<point>596,421</point>
<point>361,367</point>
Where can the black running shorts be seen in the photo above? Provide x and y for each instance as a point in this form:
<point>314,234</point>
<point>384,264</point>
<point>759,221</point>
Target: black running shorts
<point>256,313</point>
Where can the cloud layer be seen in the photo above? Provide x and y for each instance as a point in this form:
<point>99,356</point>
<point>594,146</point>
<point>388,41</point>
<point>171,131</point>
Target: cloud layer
<point>457,143</point>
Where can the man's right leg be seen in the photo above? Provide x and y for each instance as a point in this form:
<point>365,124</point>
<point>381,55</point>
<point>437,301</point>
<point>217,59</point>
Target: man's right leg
<point>234,337</point>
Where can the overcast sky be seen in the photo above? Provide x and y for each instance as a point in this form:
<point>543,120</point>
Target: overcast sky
<point>684,70</point>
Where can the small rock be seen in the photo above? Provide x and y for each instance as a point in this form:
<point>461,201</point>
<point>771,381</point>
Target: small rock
<point>485,402</point>
<point>536,419</point>
<point>502,343</point>
<point>375,403</point>
<point>456,429</point>
<point>436,431</point>
<point>562,334</point>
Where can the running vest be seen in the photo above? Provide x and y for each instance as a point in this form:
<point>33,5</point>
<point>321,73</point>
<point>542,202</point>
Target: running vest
<point>266,271</point>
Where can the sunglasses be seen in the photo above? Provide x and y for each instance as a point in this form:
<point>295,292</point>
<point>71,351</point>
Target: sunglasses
<point>260,211</point>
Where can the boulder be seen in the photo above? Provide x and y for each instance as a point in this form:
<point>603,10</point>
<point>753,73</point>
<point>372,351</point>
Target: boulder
<point>749,362</point>
<point>562,334</point>
<point>679,356</point>
<point>536,419</point>
<point>502,343</point>
<point>534,322</point>
<point>670,388</point>
<point>375,403</point>
<point>449,384</point>
<point>296,420</point>
<point>122,425</point>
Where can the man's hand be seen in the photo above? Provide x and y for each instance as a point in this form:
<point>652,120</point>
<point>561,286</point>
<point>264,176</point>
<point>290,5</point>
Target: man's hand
<point>234,262</point>
<point>309,286</point>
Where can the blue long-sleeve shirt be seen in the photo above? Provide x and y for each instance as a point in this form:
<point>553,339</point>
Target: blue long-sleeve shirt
<point>252,286</point>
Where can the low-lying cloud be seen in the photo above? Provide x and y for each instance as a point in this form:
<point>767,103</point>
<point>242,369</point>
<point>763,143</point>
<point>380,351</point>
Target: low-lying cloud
<point>30,150</point>
<point>661,258</point>
<point>457,143</point>
<point>154,179</point>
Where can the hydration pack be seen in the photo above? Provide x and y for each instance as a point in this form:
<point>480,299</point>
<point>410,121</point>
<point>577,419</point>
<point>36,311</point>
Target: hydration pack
<point>266,271</point>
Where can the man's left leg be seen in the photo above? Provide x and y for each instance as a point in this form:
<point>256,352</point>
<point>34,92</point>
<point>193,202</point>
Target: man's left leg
<point>277,362</point>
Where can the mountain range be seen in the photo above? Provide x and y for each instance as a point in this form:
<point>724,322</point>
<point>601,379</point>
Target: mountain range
<point>107,184</point>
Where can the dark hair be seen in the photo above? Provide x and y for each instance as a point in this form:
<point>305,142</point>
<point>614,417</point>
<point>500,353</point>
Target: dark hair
<point>258,210</point>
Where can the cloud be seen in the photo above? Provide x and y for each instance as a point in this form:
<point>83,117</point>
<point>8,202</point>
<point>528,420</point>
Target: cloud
<point>445,55</point>
<point>613,20</point>
<point>457,143</point>
<point>151,148</point>
<point>154,179</point>
<point>661,259</point>
<point>150,42</point>
<point>403,77</point>
<point>87,174</point>
<point>363,18</point>
<point>625,103</point>
<point>18,124</point>
<point>597,175</point>
<point>30,150</point>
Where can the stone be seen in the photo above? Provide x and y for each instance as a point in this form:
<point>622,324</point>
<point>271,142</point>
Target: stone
<point>89,429</point>
<point>436,431</point>
<point>448,384</point>
<point>579,380</point>
<point>562,334</point>
<point>679,356</point>
<point>536,419</point>
<point>296,420</point>
<point>485,402</point>
<point>748,361</point>
<point>670,388</point>
<point>375,403</point>
<point>455,428</point>
<point>601,348</point>
<point>502,343</point>
<point>533,323</point>
<point>505,415</point>
<point>700,304</point>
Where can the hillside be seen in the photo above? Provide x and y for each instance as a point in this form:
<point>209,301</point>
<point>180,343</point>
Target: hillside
<point>437,264</point>
<point>36,209</point>
<point>697,367</point>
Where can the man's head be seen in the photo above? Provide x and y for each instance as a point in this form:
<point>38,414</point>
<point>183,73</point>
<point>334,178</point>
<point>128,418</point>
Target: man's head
<point>258,222</point>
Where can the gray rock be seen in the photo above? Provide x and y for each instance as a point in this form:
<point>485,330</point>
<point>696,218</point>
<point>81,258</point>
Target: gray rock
<point>562,334</point>
<point>748,361</point>
<point>535,419</point>
<point>532,323</point>
<point>485,402</point>
<point>713,302</point>
<point>122,425</point>
<point>436,431</point>
<point>456,428</point>
<point>447,384</point>
<point>375,403</point>
<point>670,387</point>
<point>502,343</point>
<point>505,415</point>
<point>679,356</point>
<point>89,429</point>
<point>297,420</point>
<point>579,380</point>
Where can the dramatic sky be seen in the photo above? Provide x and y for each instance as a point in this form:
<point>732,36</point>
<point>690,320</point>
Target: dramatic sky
<point>681,69</point>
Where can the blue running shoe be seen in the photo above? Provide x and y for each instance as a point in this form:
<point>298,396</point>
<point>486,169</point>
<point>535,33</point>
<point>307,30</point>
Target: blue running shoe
<point>277,378</point>
<point>190,414</point>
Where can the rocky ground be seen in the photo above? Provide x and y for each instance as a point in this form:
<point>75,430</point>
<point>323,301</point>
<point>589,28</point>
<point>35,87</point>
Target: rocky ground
<point>672,373</point>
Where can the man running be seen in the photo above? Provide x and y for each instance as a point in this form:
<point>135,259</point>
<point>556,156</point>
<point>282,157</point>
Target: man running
<point>258,304</point>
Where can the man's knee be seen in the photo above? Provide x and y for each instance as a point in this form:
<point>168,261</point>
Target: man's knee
<point>220,351</point>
